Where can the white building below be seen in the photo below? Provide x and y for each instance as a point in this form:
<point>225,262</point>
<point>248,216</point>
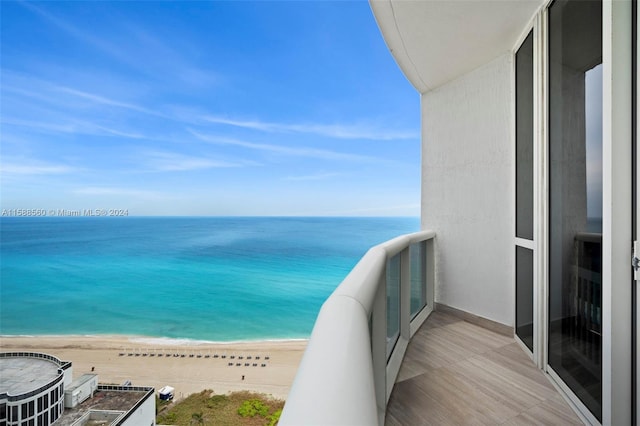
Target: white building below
<point>36,388</point>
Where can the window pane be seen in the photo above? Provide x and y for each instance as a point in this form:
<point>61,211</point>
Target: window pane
<point>393,302</point>
<point>417,254</point>
<point>524,139</point>
<point>575,197</point>
<point>524,295</point>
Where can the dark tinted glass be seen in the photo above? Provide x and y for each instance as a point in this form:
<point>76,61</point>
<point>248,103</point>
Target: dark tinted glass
<point>524,139</point>
<point>524,295</point>
<point>575,197</point>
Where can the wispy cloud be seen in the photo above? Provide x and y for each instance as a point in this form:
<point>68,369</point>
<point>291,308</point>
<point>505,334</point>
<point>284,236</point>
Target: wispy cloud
<point>140,52</point>
<point>85,36</point>
<point>49,127</point>
<point>106,101</point>
<point>11,86</point>
<point>45,106</point>
<point>319,176</point>
<point>101,191</point>
<point>284,150</point>
<point>27,85</point>
<point>339,131</point>
<point>171,56</point>
<point>115,132</point>
<point>414,207</point>
<point>76,127</point>
<point>111,102</point>
<point>160,161</point>
<point>34,168</point>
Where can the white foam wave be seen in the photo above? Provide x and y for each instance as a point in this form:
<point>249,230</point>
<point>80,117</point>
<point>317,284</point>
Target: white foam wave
<point>168,341</point>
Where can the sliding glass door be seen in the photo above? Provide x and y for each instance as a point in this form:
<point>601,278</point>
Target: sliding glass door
<point>575,198</point>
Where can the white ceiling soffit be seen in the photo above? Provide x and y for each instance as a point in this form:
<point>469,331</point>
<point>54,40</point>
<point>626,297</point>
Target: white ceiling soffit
<point>436,41</point>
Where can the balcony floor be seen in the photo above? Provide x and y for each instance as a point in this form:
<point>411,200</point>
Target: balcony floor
<point>457,373</point>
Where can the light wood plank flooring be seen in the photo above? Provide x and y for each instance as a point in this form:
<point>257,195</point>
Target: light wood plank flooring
<point>457,373</point>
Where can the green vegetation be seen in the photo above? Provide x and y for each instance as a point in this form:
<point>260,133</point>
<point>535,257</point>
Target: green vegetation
<point>272,419</point>
<point>251,407</point>
<point>237,408</point>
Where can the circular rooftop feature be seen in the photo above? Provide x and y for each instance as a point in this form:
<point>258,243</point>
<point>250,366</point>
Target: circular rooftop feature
<point>31,388</point>
<point>25,374</point>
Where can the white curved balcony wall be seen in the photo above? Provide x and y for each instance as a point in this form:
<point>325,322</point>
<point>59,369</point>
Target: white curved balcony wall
<point>345,376</point>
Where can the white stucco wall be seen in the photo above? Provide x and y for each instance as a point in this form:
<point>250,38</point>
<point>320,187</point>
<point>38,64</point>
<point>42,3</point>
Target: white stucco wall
<point>468,159</point>
<point>144,415</point>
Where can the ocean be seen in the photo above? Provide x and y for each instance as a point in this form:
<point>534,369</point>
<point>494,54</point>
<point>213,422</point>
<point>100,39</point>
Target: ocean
<point>216,279</point>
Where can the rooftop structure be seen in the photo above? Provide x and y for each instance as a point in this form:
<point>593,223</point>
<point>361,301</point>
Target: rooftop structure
<point>23,375</point>
<point>36,388</point>
<point>32,388</point>
<point>111,405</point>
<point>529,213</point>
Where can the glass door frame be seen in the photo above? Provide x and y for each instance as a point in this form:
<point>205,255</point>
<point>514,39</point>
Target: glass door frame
<point>617,190</point>
<point>570,396</point>
<point>635,219</point>
<point>533,28</point>
<point>617,193</point>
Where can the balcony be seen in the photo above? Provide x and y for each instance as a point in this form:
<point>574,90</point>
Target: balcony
<point>379,354</point>
<point>455,372</point>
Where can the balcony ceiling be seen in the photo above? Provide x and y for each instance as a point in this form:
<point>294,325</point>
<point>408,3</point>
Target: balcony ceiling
<point>436,41</point>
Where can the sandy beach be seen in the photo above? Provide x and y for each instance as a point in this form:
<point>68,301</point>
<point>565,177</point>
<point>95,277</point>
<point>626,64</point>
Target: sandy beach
<point>188,366</point>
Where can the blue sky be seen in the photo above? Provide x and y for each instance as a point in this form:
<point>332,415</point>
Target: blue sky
<point>205,108</point>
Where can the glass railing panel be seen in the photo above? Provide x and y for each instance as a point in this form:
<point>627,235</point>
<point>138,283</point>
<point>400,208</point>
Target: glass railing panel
<point>363,316</point>
<point>393,302</point>
<point>418,257</point>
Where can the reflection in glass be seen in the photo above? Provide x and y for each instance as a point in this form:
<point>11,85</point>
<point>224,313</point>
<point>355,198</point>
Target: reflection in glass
<point>393,302</point>
<point>575,197</point>
<point>417,254</point>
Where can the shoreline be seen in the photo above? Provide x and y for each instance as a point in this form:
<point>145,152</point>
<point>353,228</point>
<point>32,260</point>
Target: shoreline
<point>265,366</point>
<point>153,340</point>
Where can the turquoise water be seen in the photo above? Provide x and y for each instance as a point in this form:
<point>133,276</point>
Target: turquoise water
<point>216,279</point>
